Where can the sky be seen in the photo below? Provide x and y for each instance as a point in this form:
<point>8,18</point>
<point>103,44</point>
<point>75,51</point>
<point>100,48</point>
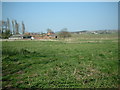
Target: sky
<point>75,16</point>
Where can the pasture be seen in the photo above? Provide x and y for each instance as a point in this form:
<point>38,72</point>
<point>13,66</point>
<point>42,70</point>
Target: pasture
<point>86,61</point>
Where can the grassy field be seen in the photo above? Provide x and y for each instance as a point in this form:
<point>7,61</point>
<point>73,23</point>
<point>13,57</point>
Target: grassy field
<point>77,62</point>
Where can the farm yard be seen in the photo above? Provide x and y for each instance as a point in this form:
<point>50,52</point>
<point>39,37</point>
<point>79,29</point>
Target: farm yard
<point>81,61</point>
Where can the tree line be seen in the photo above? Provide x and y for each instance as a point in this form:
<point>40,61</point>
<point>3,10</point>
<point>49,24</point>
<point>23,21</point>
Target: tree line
<point>8,28</point>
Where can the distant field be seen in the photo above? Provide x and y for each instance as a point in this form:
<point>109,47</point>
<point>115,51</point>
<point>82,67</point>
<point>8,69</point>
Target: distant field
<point>82,61</point>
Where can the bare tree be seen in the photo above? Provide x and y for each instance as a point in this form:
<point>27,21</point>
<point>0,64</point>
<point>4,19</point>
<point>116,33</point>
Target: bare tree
<point>23,28</point>
<point>4,26</point>
<point>64,33</point>
<point>17,27</point>
<point>49,30</point>
<point>13,26</point>
<point>8,24</point>
<point>6,33</point>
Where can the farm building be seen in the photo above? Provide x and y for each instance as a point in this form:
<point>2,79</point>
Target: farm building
<point>51,35</point>
<point>21,37</point>
<point>16,37</point>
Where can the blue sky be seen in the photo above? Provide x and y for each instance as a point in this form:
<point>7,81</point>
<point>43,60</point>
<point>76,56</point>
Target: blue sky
<point>75,16</point>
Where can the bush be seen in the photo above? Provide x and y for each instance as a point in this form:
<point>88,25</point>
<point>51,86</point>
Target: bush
<point>6,34</point>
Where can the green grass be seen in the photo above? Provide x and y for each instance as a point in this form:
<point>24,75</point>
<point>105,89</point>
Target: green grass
<point>57,64</point>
